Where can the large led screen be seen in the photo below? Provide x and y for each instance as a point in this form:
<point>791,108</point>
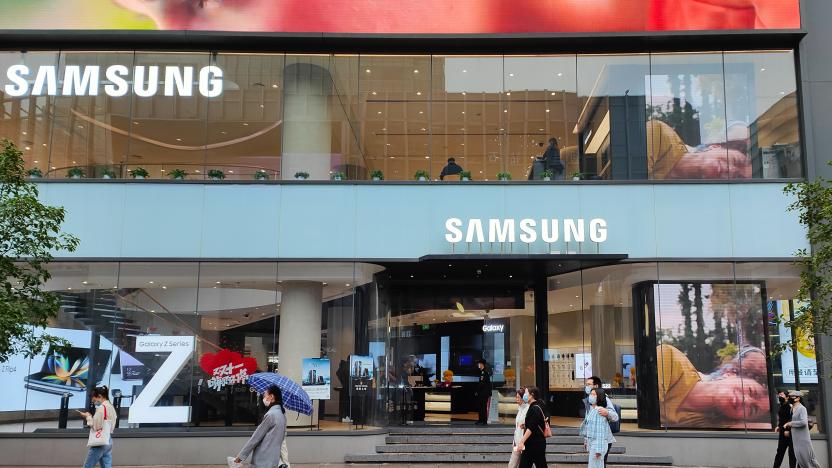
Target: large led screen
<point>712,369</point>
<point>402,16</point>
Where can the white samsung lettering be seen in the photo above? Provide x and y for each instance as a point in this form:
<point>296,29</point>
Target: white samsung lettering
<point>114,80</point>
<point>491,328</point>
<point>505,230</point>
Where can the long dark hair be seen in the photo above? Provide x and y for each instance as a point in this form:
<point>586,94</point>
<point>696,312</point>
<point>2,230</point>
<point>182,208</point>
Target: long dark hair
<point>601,396</point>
<point>275,391</point>
<point>102,392</point>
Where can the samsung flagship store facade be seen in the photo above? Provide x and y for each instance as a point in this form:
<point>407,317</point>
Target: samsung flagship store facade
<point>370,214</point>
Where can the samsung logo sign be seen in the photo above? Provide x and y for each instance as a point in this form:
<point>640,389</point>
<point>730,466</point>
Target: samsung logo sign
<point>117,81</point>
<point>527,230</point>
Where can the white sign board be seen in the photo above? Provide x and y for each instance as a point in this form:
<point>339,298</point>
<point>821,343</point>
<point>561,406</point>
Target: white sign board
<point>144,409</point>
<point>583,365</point>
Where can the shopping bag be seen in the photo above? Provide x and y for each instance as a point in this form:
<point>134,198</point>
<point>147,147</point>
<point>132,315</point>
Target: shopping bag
<point>232,463</point>
<point>100,437</point>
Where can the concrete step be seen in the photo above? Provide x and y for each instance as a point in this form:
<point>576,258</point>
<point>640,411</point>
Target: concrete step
<point>469,429</point>
<point>578,459</point>
<point>482,448</point>
<point>475,439</point>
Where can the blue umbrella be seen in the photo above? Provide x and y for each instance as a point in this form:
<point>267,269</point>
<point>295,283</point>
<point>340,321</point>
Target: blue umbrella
<point>294,397</point>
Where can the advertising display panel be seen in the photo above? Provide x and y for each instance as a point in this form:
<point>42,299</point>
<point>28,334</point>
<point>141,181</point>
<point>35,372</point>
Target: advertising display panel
<point>316,378</point>
<point>404,16</point>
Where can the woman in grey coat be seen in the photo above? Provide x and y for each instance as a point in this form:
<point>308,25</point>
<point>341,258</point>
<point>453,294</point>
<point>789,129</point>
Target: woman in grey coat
<point>799,427</point>
<point>264,445</point>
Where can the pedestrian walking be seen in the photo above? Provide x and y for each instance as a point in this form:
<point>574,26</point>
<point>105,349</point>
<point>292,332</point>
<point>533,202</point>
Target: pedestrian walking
<point>483,392</point>
<point>101,425</point>
<point>265,444</point>
<point>784,439</point>
<point>608,411</point>
<point>596,429</point>
<point>521,397</point>
<point>799,428</point>
<point>532,445</point>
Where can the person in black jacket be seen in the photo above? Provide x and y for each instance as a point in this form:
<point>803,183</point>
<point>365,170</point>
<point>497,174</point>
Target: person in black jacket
<point>533,444</point>
<point>452,168</point>
<point>483,391</point>
<point>552,161</point>
<point>784,439</point>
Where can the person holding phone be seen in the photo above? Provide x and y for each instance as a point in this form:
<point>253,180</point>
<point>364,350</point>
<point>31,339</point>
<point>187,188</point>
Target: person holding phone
<point>104,413</point>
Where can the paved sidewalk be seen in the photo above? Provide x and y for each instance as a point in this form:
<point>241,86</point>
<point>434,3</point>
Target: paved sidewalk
<point>341,465</point>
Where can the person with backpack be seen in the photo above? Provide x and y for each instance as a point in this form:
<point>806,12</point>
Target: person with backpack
<point>610,410</point>
<point>532,445</point>
<point>596,430</point>
<point>101,425</point>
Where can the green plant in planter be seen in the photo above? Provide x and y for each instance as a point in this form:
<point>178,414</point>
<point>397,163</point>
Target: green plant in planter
<point>421,175</point>
<point>548,174</point>
<point>503,176</point>
<point>178,174</point>
<point>76,173</point>
<point>34,173</point>
<point>377,175</point>
<point>576,176</point>
<point>261,175</point>
<point>301,175</point>
<point>108,174</point>
<point>338,176</point>
<point>216,174</point>
<point>465,175</point>
<point>139,173</point>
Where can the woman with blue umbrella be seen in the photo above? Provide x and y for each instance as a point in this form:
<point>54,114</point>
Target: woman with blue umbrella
<point>264,445</point>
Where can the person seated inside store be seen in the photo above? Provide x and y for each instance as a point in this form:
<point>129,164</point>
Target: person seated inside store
<point>688,399</point>
<point>452,168</point>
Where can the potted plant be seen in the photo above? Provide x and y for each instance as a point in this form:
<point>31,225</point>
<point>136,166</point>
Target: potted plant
<point>576,176</point>
<point>261,175</point>
<point>216,174</point>
<point>421,175</point>
<point>503,176</point>
<point>34,173</point>
<point>301,175</point>
<point>465,175</point>
<point>139,173</point>
<point>377,175</point>
<point>108,174</point>
<point>338,176</point>
<point>178,174</point>
<point>75,173</point>
<point>548,174</point>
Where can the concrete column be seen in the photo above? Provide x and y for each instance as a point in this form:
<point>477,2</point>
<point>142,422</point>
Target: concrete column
<point>307,127</point>
<point>300,330</point>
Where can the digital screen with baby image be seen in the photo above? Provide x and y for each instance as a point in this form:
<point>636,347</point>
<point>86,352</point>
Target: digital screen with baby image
<point>711,357</point>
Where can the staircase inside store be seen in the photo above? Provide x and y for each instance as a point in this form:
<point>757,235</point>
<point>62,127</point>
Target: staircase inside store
<point>100,311</point>
<point>472,444</point>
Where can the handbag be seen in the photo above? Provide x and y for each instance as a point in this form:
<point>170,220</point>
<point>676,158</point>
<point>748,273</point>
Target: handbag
<point>615,426</point>
<point>546,429</point>
<point>100,437</point>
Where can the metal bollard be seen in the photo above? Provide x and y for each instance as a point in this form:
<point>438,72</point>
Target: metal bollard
<point>63,415</point>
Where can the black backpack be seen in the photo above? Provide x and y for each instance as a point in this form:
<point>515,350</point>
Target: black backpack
<point>615,427</point>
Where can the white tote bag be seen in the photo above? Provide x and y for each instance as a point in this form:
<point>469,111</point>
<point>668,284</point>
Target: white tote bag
<point>100,437</point>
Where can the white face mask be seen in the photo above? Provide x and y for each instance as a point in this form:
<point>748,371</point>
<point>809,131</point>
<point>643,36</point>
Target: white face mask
<point>266,401</point>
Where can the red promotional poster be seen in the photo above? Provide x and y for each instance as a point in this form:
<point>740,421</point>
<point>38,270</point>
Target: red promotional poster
<point>227,368</point>
<point>405,16</point>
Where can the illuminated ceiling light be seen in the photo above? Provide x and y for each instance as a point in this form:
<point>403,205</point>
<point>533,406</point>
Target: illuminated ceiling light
<point>274,85</point>
<point>421,112</point>
<point>423,129</point>
<point>81,127</point>
<point>85,282</point>
<point>218,282</point>
<point>324,283</point>
<point>43,144</point>
<point>508,93</point>
<point>230,172</point>
<point>374,93</point>
<point>392,157</point>
<point>427,157</point>
<point>560,74</point>
<point>53,168</point>
<point>368,70</point>
<point>464,71</point>
<point>547,110</point>
<point>25,133</point>
<point>511,74</point>
<point>28,148</point>
<point>383,129</point>
<point>463,112</point>
<point>197,171</point>
<point>505,110</point>
<point>178,139</point>
<point>164,287</point>
<point>150,282</point>
<point>348,285</point>
<point>135,123</point>
<point>262,106</point>
<point>418,93</point>
<point>245,124</point>
<point>762,69</point>
<point>69,289</point>
<point>163,170</point>
<point>416,71</point>
<point>224,132</point>
<point>73,162</point>
<point>552,93</point>
<point>35,162</point>
<point>379,112</point>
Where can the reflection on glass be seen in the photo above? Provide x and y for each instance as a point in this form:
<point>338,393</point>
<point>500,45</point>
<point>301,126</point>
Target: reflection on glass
<point>612,91</point>
<point>761,107</point>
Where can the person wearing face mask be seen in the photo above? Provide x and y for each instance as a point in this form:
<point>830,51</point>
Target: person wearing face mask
<point>595,429</point>
<point>265,444</point>
<point>799,427</point>
<point>607,410</point>
<point>521,397</point>
<point>784,440</point>
<point>532,446</point>
<point>104,413</point>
